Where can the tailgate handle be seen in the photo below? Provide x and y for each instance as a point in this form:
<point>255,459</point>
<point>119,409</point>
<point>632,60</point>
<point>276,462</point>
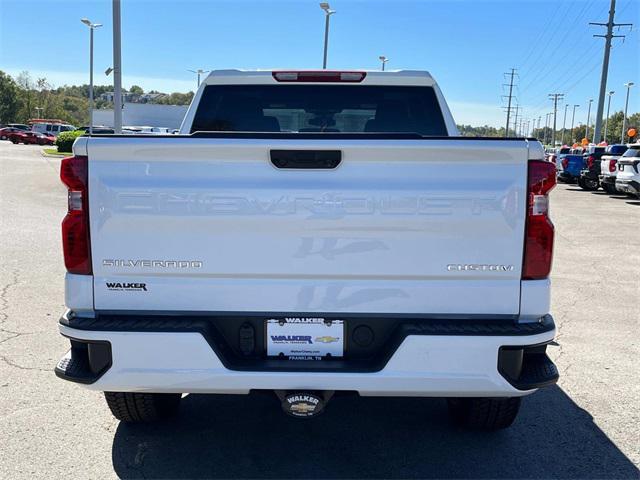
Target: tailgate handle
<point>326,159</point>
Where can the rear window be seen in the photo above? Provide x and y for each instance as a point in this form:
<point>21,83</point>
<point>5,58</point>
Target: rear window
<point>319,109</point>
<point>632,152</point>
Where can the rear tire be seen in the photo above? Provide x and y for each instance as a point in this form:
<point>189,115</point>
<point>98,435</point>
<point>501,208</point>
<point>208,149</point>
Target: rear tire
<point>483,413</point>
<point>142,407</point>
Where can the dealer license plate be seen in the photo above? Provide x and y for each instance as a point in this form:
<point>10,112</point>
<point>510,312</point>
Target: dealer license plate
<point>305,338</point>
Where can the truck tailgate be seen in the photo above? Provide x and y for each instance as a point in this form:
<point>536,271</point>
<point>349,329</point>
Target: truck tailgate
<point>432,226</point>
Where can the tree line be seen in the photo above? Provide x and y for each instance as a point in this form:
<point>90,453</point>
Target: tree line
<point>25,97</point>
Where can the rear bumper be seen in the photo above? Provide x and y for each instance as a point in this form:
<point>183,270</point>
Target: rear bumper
<point>508,360</point>
<point>628,186</point>
<point>566,177</point>
<point>608,180</point>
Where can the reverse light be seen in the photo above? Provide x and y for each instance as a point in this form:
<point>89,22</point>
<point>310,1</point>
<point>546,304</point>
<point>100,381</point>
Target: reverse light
<point>74,173</point>
<point>319,76</point>
<point>539,231</point>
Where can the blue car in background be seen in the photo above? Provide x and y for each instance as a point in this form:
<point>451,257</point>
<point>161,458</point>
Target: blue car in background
<point>571,165</point>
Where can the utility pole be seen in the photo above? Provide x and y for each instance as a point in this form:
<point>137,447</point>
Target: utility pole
<point>539,119</point>
<point>117,69</point>
<point>573,117</point>
<point>510,84</point>
<point>606,122</point>
<point>586,135</point>
<point>564,121</point>
<point>626,105</point>
<point>605,64</point>
<point>546,127</point>
<point>515,122</point>
<point>555,97</point>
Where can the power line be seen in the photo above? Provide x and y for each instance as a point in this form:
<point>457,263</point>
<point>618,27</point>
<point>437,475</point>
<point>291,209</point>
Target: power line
<point>543,71</point>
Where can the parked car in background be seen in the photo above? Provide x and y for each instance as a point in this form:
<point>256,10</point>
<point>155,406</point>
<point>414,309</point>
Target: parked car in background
<point>570,166</point>
<point>146,130</point>
<point>6,131</point>
<point>19,126</point>
<point>589,178</point>
<point>609,167</point>
<point>98,130</point>
<point>32,138</point>
<point>628,177</point>
<point>52,128</point>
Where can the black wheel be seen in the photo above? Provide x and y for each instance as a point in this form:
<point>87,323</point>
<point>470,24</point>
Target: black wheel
<point>142,407</point>
<point>483,413</point>
<point>609,189</point>
<point>14,141</point>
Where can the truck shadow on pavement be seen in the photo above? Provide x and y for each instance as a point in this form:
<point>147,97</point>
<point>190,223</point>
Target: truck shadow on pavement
<point>225,436</point>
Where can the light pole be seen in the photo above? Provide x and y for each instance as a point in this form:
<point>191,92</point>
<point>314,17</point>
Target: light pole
<point>117,67</point>
<point>586,135</point>
<point>92,26</point>
<point>626,105</point>
<point>573,117</point>
<point>564,121</point>
<point>606,121</point>
<point>384,60</point>
<point>328,12</point>
<point>199,72</point>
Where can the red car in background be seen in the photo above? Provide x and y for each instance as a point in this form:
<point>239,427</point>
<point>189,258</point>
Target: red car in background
<point>34,138</point>
<point>6,131</point>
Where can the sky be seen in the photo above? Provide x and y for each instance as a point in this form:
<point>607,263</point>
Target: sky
<point>467,45</point>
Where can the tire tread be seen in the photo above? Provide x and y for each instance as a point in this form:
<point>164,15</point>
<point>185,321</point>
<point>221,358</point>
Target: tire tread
<point>132,407</point>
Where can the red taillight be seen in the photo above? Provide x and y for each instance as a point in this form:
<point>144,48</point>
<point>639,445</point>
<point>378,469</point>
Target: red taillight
<point>319,76</point>
<point>590,161</point>
<point>74,173</point>
<point>538,243</point>
<point>565,163</point>
<point>612,165</point>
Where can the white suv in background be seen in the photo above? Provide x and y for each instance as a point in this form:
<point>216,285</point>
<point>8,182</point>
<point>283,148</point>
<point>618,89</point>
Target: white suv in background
<point>609,167</point>
<point>628,178</point>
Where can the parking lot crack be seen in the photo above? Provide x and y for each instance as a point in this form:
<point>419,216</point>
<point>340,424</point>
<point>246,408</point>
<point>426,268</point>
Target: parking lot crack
<point>4,291</point>
<point>21,367</point>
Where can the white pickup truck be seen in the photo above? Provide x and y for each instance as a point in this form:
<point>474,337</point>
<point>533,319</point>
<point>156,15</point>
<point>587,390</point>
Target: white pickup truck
<point>308,233</point>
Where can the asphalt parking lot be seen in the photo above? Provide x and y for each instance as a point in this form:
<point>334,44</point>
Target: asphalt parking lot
<point>585,427</point>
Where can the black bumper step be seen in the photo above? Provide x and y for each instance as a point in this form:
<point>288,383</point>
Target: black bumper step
<point>85,362</point>
<point>527,367</point>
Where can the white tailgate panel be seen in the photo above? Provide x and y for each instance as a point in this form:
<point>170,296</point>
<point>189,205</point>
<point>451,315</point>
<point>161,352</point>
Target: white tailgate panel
<point>374,235</point>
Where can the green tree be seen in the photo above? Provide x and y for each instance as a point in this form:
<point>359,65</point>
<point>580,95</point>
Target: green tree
<point>136,89</point>
<point>9,99</point>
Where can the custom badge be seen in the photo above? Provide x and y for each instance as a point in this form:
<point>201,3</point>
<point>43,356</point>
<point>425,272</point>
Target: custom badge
<point>302,405</point>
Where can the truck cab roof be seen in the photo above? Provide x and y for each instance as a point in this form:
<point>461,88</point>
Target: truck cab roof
<point>367,77</point>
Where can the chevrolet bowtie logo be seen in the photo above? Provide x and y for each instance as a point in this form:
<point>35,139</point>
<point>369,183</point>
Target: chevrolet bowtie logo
<point>327,339</point>
<point>303,407</point>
